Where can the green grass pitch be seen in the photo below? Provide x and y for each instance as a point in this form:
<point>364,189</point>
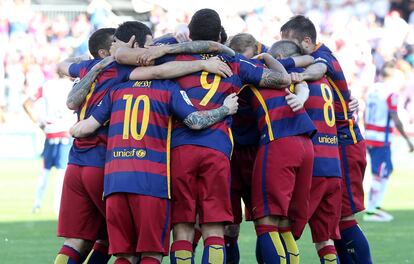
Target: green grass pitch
<point>29,238</point>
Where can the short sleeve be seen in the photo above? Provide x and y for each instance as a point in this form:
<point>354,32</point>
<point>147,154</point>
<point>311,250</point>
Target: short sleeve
<point>287,63</point>
<point>75,69</point>
<point>325,58</point>
<point>180,104</point>
<point>103,112</point>
<point>392,102</point>
<point>249,72</point>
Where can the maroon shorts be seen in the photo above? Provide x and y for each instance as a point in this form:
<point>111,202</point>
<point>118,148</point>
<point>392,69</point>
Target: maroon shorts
<point>242,163</point>
<point>138,223</point>
<point>325,208</point>
<point>353,164</point>
<point>200,184</point>
<point>82,209</point>
<point>282,178</point>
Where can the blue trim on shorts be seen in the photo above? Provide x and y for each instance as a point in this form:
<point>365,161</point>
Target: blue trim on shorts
<point>348,180</point>
<point>167,220</point>
<point>265,203</point>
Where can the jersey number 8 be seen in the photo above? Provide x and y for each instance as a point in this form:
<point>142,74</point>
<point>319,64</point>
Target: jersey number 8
<point>130,121</point>
<point>328,106</point>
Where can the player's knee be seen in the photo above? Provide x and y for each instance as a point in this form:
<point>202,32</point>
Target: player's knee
<point>348,218</point>
<point>268,220</point>
<point>232,230</point>
<point>80,245</point>
<point>212,229</point>
<point>323,244</point>
<point>183,231</point>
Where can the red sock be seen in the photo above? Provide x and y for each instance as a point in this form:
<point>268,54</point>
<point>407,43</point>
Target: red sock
<point>149,260</point>
<point>326,250</point>
<point>72,253</point>
<point>214,240</point>
<point>121,261</point>
<point>197,236</point>
<point>181,245</point>
<point>347,224</point>
<point>262,229</point>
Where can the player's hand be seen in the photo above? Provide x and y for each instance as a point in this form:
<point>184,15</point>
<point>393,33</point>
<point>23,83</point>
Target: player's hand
<point>151,53</point>
<point>231,103</point>
<point>182,33</point>
<point>116,44</point>
<point>217,66</point>
<point>296,77</point>
<point>294,101</point>
<point>353,104</point>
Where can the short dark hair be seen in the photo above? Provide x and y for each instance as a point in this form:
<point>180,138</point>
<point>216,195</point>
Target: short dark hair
<point>127,29</point>
<point>299,27</point>
<point>100,39</point>
<point>240,42</point>
<point>285,48</point>
<point>205,25</point>
<point>223,35</point>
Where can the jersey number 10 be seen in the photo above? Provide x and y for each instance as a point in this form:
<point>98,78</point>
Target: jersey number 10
<point>130,121</point>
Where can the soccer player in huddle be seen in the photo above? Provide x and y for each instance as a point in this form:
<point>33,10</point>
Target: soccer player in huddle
<point>201,182</point>
<point>137,171</point>
<point>82,211</point>
<point>351,245</point>
<point>380,119</point>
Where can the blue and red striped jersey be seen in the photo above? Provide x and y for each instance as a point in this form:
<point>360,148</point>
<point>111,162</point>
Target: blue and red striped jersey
<point>320,108</point>
<point>208,91</point>
<point>347,128</point>
<point>90,151</point>
<point>275,118</point>
<point>138,152</point>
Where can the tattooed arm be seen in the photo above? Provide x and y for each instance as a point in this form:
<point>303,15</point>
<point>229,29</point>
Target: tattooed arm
<point>63,67</point>
<point>79,91</point>
<point>274,79</point>
<point>202,119</point>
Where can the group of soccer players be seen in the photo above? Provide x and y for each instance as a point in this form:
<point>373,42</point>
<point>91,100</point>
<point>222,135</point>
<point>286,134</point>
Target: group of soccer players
<point>156,148</point>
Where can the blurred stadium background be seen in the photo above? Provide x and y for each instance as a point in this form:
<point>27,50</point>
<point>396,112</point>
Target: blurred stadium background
<point>35,35</point>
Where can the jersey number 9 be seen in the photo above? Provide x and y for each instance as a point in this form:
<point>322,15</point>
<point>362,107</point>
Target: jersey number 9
<point>211,87</point>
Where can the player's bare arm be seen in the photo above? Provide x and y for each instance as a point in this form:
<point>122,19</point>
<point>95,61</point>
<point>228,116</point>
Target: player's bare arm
<point>202,119</point>
<point>63,67</point>
<point>84,127</point>
<point>80,90</point>
<point>303,61</point>
<point>176,69</point>
<point>312,73</point>
<point>200,46</point>
<point>400,127</point>
<point>274,79</point>
<point>297,99</point>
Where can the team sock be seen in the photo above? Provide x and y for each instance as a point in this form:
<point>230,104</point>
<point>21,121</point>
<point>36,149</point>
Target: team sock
<point>98,254</point>
<point>289,244</point>
<point>122,261</point>
<point>41,187</point>
<point>68,255</point>
<point>376,193</point>
<point>271,247</point>
<point>328,255</point>
<point>149,260</point>
<point>232,250</point>
<point>197,237</point>
<point>181,252</point>
<point>354,243</point>
<point>214,251</point>
<point>259,257</point>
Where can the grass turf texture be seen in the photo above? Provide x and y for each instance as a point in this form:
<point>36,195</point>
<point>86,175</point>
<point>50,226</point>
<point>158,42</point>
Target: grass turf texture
<point>30,238</point>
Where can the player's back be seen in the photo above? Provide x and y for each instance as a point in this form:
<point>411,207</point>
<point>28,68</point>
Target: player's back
<point>90,151</point>
<point>381,101</point>
<point>137,159</point>
<point>320,108</point>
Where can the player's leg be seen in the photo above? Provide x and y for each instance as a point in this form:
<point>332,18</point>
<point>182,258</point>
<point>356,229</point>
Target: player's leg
<point>60,163</point>
<point>79,219</point>
<point>184,169</point>
<point>214,203</point>
<point>353,247</point>
<point>152,226</point>
<point>44,175</point>
<point>325,212</point>
<point>121,229</point>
